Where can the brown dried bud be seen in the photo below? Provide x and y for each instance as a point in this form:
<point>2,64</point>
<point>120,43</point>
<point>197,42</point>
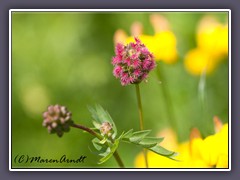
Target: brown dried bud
<point>57,119</point>
<point>106,128</point>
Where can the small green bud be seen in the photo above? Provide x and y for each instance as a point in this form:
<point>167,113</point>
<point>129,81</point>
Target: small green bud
<point>106,129</point>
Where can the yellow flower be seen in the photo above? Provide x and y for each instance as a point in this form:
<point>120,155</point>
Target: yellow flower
<point>166,47</point>
<point>197,61</point>
<point>212,37</point>
<point>214,150</point>
<point>195,153</point>
<point>212,46</point>
<point>184,158</point>
<point>163,43</point>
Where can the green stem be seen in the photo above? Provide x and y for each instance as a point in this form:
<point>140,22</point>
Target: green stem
<point>140,111</point>
<point>118,159</point>
<point>97,135</point>
<point>167,98</point>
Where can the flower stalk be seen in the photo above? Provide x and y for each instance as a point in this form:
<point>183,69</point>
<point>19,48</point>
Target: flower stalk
<point>140,111</point>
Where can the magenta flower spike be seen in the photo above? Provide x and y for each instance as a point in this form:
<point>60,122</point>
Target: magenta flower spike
<point>132,62</point>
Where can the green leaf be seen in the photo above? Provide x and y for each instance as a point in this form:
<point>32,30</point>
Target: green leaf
<point>149,142</point>
<point>128,134</point>
<point>105,153</point>
<point>103,140</point>
<point>96,124</point>
<point>120,137</point>
<point>162,151</point>
<point>101,148</point>
<point>138,136</point>
<point>109,154</point>
<point>100,116</point>
<point>94,114</point>
<point>96,144</point>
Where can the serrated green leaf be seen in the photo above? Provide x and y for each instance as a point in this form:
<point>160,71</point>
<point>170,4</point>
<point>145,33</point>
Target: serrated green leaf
<point>151,140</point>
<point>128,134</point>
<point>162,151</point>
<point>148,142</point>
<point>147,145</point>
<point>109,154</point>
<point>138,136</point>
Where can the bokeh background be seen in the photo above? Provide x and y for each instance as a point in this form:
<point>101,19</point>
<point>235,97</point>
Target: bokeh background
<point>65,58</point>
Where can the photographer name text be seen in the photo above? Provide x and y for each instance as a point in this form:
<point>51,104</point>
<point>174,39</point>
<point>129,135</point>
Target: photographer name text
<point>20,159</point>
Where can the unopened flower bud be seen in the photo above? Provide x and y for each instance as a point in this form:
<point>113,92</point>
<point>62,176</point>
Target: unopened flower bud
<point>106,128</point>
<point>57,119</point>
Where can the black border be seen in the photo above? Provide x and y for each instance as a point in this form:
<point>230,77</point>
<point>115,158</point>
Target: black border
<point>123,169</point>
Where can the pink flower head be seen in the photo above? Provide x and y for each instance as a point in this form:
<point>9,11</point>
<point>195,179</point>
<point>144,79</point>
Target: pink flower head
<point>119,49</point>
<point>117,71</point>
<point>132,62</point>
<point>116,60</point>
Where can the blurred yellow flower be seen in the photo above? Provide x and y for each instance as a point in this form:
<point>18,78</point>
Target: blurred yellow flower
<point>163,43</point>
<point>214,150</point>
<point>195,153</point>
<point>212,46</point>
<point>212,37</point>
<point>197,61</point>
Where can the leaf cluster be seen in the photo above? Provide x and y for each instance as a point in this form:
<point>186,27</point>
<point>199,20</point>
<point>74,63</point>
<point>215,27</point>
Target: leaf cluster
<point>107,145</point>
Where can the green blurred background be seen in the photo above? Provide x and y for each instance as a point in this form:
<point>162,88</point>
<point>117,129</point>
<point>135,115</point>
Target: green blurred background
<point>65,58</point>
